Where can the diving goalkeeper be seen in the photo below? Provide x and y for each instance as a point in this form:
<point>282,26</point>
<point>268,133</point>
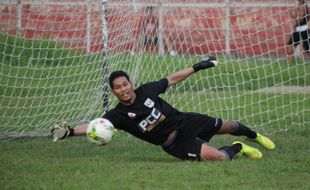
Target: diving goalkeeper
<point>142,113</point>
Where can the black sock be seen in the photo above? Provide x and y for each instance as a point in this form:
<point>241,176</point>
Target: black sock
<point>232,150</point>
<point>71,132</point>
<point>244,130</point>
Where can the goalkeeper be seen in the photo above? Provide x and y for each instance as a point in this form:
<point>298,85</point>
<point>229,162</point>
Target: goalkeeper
<point>142,113</point>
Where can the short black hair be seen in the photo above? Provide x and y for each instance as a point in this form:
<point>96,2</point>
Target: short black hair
<point>115,75</point>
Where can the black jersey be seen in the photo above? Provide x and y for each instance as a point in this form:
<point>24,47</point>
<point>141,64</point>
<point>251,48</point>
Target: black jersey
<point>150,117</point>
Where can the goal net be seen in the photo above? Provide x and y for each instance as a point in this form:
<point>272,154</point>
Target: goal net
<point>56,56</point>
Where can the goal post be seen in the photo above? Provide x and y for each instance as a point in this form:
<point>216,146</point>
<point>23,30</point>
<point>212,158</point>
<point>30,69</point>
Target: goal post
<point>55,58</point>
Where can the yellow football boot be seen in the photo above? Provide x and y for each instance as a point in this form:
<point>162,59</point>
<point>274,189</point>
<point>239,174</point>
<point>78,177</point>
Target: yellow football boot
<point>249,151</point>
<point>264,142</point>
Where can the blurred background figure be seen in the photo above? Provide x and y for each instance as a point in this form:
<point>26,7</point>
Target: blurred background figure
<point>300,36</point>
<point>149,30</point>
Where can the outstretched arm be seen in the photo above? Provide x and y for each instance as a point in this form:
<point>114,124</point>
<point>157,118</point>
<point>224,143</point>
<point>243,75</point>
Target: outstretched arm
<point>63,130</point>
<point>178,76</point>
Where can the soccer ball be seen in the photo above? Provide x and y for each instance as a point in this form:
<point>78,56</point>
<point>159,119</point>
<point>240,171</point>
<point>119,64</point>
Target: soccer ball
<point>100,131</point>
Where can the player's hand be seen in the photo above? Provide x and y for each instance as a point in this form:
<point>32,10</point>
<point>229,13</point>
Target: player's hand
<point>60,131</point>
<point>206,63</point>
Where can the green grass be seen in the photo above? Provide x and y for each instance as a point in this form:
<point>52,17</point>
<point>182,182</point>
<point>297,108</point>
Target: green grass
<point>266,112</point>
<point>247,74</point>
<point>128,163</point>
<point>39,77</point>
<point>41,82</point>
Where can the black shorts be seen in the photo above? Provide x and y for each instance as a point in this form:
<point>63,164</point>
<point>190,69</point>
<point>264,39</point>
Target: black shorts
<point>194,130</point>
<point>300,38</point>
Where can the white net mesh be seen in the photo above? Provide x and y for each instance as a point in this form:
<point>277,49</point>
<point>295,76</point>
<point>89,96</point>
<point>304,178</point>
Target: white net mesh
<point>56,56</point>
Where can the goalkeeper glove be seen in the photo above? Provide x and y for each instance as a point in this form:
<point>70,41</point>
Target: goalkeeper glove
<point>206,63</point>
<point>61,131</point>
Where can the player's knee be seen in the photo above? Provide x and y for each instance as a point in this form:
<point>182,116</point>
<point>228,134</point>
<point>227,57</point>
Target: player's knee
<point>228,127</point>
<point>211,153</point>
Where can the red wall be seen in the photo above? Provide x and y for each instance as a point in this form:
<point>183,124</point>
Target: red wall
<point>253,31</point>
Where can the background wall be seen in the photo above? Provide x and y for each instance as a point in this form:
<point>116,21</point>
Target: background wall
<point>242,29</point>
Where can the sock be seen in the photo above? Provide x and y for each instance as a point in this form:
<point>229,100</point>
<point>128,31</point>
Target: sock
<point>232,150</point>
<point>71,132</point>
<point>244,130</point>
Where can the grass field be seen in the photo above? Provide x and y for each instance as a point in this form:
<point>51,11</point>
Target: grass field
<point>39,77</point>
<point>128,163</point>
<point>38,87</point>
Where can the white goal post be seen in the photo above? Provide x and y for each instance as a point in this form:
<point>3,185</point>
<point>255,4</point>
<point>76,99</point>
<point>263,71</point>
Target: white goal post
<point>56,56</point>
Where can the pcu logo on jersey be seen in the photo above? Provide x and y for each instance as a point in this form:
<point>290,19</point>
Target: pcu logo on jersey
<point>149,103</point>
<point>151,120</point>
<point>131,115</point>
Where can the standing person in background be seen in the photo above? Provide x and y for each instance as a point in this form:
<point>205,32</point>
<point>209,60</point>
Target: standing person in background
<point>147,34</point>
<point>149,30</point>
<point>301,32</point>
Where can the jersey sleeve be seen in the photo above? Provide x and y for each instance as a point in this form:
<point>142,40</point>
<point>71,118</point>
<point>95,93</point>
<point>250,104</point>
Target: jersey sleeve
<point>156,87</point>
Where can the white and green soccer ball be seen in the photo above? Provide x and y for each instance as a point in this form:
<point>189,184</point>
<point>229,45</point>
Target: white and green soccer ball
<point>100,131</point>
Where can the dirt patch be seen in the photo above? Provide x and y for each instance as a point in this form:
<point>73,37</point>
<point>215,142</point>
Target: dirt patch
<point>286,89</point>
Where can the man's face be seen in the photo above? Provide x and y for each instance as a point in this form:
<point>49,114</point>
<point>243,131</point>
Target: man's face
<point>123,89</point>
